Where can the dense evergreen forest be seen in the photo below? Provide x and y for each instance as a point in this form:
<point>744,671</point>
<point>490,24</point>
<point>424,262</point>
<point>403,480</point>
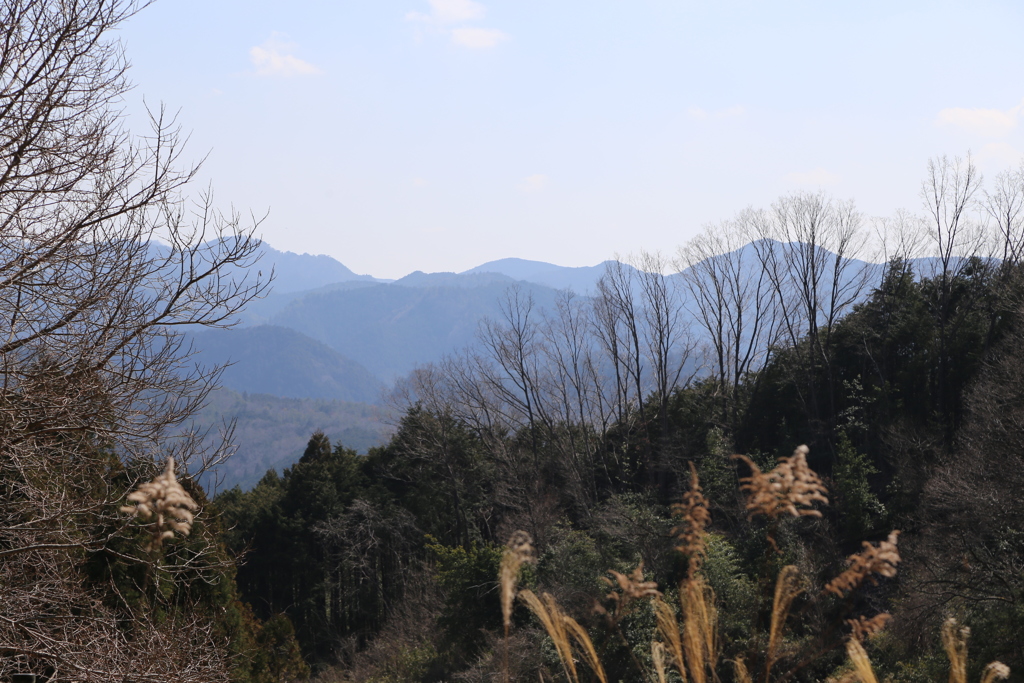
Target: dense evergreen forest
<point>579,427</point>
<point>561,499</point>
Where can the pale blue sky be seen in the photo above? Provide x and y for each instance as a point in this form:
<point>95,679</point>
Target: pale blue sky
<point>398,135</point>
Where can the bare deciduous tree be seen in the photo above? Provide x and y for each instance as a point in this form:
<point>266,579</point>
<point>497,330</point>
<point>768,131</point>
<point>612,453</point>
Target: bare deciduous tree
<point>102,262</point>
<point>618,326</point>
<point>961,246</point>
<point>808,246</point>
<point>667,344</point>
<point>732,300</point>
<point>1005,206</point>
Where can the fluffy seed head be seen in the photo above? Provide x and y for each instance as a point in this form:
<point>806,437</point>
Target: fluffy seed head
<point>631,588</point>
<point>791,488</point>
<point>880,560</point>
<point>164,500</point>
<point>694,517</point>
<point>863,628</point>
<point>518,550</point>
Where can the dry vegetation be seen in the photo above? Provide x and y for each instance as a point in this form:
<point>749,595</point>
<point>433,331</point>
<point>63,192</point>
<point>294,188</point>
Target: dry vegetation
<point>687,636</point>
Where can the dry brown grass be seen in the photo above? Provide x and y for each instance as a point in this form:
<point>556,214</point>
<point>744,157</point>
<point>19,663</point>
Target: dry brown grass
<point>668,628</point>
<point>518,551</point>
<point>862,668</point>
<point>995,671</point>
<point>694,517</point>
<point>700,628</point>
<point>627,589</point>
<point>862,628</point>
<point>691,641</point>
<point>658,659</point>
<point>560,627</point>
<point>166,502</point>
<point>881,560</point>
<point>791,488</point>
<point>954,641</point>
<point>788,586</point>
<point>740,667</point>
<point>688,641</point>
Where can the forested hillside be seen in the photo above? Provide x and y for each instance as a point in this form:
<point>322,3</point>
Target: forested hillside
<point>111,567</point>
<point>578,425</point>
<point>271,432</point>
<point>266,359</point>
<point>790,453</point>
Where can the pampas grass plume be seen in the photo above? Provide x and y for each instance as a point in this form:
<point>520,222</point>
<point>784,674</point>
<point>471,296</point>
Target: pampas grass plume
<point>518,551</point>
<point>789,489</point>
<point>881,560</point>
<point>167,502</point>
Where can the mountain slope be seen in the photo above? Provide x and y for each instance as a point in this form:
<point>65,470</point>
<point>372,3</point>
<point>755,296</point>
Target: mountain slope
<point>299,272</point>
<point>390,329</point>
<point>582,280</point>
<point>279,361</point>
<point>271,432</point>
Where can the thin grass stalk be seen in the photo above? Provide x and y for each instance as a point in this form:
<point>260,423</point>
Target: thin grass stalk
<point>518,551</point>
<point>861,664</point>
<point>786,590</point>
<point>658,657</point>
<point>954,641</point>
<point>586,646</point>
<point>700,627</point>
<point>551,618</point>
<point>694,627</point>
<point>742,674</point>
<point>668,627</point>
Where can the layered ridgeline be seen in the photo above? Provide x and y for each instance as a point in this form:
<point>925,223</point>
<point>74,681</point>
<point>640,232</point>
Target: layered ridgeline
<point>329,334</point>
<point>324,347</point>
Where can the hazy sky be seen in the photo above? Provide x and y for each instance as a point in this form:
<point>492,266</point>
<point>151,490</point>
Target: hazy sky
<point>398,135</point>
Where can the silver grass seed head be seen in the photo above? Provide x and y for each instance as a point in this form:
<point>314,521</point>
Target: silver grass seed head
<point>167,502</point>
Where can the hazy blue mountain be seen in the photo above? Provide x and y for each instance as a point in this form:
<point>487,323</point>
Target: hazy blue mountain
<point>582,280</point>
<point>260,311</point>
<point>276,360</point>
<point>344,340</point>
<point>367,333</point>
<point>391,328</point>
<point>460,280</point>
<point>271,432</point>
<point>301,272</point>
<point>292,272</point>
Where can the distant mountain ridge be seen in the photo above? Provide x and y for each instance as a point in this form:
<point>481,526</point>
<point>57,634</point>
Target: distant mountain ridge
<point>392,328</point>
<point>299,272</point>
<point>327,339</point>
<point>267,359</point>
<point>294,273</point>
<point>465,280</point>
<point>582,280</point>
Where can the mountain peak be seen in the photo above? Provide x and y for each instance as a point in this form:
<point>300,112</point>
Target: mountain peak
<point>581,279</point>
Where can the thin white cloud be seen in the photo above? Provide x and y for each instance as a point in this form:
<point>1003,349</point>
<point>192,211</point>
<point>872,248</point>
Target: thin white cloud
<point>419,182</point>
<point>478,38</point>
<point>999,155</point>
<point>985,122</point>
<point>449,16</point>
<point>274,58</point>
<point>534,183</point>
<point>816,178</point>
